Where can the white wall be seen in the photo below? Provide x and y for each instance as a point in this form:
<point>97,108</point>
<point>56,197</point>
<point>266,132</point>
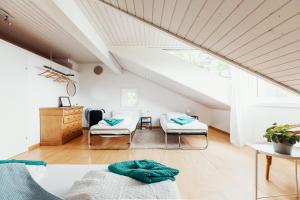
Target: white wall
<point>220,119</point>
<point>104,91</point>
<point>23,93</point>
<point>264,115</point>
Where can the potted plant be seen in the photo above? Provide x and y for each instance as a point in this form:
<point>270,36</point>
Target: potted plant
<point>283,137</point>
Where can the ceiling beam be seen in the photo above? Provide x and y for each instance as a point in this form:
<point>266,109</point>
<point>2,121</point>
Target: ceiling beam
<point>190,43</point>
<point>69,16</point>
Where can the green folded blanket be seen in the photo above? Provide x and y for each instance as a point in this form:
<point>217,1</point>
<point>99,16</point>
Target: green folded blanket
<point>26,162</point>
<point>183,120</point>
<point>147,171</point>
<point>113,121</point>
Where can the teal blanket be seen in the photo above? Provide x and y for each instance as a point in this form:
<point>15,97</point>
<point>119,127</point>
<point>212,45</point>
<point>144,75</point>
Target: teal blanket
<point>147,171</point>
<point>183,120</point>
<point>113,121</point>
<point>26,162</point>
<point>17,184</point>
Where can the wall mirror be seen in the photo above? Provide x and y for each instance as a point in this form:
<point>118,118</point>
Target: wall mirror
<point>71,88</point>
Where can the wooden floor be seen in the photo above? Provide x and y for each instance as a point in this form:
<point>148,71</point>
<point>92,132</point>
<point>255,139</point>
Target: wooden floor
<point>223,171</point>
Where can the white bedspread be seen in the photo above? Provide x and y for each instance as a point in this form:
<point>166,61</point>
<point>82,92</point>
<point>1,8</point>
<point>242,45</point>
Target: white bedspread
<point>125,127</point>
<point>193,127</point>
<point>96,185</point>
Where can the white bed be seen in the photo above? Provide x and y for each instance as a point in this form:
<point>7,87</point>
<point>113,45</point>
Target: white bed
<point>58,179</point>
<point>126,127</point>
<point>194,128</point>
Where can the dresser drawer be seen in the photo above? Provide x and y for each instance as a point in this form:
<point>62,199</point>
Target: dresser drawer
<point>72,118</point>
<point>73,111</point>
<point>69,111</point>
<point>72,126</point>
<point>78,111</point>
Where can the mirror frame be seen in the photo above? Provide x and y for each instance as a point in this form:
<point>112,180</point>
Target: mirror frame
<point>67,88</point>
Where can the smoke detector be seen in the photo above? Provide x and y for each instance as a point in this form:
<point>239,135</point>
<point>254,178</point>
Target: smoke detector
<point>6,17</point>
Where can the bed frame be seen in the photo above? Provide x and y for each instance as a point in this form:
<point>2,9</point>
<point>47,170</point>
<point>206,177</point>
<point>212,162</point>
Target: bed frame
<point>131,134</point>
<point>186,133</point>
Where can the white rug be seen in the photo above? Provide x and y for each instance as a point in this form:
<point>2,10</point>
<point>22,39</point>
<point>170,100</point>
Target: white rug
<point>152,139</point>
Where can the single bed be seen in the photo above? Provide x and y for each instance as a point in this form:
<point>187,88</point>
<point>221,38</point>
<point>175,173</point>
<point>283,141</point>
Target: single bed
<point>194,128</point>
<point>58,180</point>
<point>125,128</point>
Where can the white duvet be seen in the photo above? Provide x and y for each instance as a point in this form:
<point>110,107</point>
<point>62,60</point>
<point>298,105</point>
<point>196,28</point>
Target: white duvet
<point>169,126</point>
<point>125,127</point>
<point>96,185</point>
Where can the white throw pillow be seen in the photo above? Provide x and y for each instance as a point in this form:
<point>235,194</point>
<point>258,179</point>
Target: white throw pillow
<point>102,122</point>
<point>171,115</point>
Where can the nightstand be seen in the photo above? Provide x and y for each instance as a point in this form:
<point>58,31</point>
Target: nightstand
<point>146,122</point>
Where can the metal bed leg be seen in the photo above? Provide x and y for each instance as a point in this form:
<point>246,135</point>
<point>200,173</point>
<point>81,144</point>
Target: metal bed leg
<point>89,137</point>
<point>179,141</point>
<point>194,148</point>
<point>166,140</point>
<point>296,172</point>
<point>130,138</point>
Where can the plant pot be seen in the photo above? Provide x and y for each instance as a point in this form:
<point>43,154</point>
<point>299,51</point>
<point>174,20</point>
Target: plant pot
<point>283,148</point>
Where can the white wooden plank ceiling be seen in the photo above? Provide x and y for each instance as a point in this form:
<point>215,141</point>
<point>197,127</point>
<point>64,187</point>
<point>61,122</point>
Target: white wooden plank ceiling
<point>36,31</point>
<point>117,29</point>
<point>262,36</point>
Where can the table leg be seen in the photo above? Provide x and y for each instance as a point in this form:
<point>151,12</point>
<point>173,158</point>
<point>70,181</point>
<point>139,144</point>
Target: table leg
<point>256,181</point>
<point>268,165</point>
<point>296,172</point>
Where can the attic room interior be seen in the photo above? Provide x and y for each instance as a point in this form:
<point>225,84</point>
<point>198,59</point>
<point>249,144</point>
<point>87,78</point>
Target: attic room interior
<point>150,99</point>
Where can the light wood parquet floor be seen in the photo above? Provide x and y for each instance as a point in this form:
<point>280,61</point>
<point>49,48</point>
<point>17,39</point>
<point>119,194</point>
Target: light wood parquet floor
<point>222,172</point>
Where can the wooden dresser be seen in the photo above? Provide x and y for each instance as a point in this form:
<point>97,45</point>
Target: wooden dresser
<point>60,125</point>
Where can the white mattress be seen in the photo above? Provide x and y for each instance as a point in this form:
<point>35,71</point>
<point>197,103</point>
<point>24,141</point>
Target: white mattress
<point>172,127</point>
<point>58,179</point>
<point>125,127</point>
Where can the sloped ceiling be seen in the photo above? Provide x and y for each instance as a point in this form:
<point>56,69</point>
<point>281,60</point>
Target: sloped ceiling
<point>261,36</point>
<point>34,30</point>
<point>176,75</point>
<point>118,29</point>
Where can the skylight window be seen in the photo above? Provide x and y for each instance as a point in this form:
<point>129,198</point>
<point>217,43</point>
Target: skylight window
<point>203,60</point>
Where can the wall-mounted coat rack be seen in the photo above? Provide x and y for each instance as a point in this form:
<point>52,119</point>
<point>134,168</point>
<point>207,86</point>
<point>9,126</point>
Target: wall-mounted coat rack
<point>56,75</point>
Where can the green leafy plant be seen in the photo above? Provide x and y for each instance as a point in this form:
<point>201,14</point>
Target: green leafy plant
<point>282,134</point>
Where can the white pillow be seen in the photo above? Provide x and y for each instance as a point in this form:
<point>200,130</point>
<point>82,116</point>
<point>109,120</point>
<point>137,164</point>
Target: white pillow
<point>171,115</point>
<point>121,116</point>
<point>102,122</point>
<point>125,114</point>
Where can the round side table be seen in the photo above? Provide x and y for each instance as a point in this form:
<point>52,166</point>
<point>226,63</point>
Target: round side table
<point>267,149</point>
